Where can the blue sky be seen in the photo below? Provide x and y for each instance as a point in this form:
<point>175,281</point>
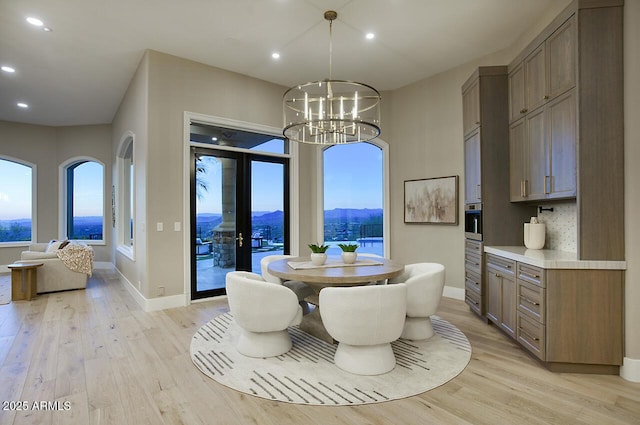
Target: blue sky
<point>353,180</point>
<point>15,190</point>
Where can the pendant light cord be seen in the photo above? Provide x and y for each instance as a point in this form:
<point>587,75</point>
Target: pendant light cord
<point>330,47</point>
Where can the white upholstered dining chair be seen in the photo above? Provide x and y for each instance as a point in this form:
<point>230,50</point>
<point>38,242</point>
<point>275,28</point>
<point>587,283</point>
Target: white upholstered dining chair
<point>301,289</point>
<point>425,284</point>
<point>263,312</point>
<point>364,320</point>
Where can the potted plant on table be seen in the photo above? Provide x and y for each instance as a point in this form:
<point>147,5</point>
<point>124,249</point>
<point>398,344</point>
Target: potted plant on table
<point>349,254</point>
<point>318,254</point>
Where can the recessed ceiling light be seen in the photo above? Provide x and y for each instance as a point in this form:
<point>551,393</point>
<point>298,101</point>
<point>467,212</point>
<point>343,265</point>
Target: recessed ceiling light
<point>46,29</point>
<point>8,69</point>
<point>215,139</point>
<point>275,55</point>
<point>22,105</point>
<point>370,36</point>
<point>35,21</point>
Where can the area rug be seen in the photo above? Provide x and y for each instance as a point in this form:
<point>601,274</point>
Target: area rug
<point>5,289</point>
<point>307,375</point>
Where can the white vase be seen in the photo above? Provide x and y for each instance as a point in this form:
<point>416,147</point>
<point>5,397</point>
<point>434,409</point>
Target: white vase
<point>349,257</point>
<point>318,258</point>
<point>534,235</point>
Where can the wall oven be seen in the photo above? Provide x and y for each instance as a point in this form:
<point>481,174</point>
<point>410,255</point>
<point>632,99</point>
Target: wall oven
<point>473,221</point>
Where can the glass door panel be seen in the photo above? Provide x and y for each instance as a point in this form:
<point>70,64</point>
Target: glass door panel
<point>238,215</point>
<point>215,235</point>
<point>268,229</point>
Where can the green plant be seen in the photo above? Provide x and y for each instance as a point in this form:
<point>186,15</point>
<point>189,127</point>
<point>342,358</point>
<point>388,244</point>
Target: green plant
<point>348,247</point>
<point>318,249</point>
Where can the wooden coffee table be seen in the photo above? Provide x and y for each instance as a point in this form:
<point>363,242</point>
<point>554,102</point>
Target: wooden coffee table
<point>24,281</point>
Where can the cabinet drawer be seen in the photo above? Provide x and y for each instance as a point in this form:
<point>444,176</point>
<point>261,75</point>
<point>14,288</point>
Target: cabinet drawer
<point>471,282</point>
<point>473,246</point>
<point>504,264</point>
<point>474,300</point>
<point>531,301</point>
<point>531,335</point>
<point>531,274</point>
<point>473,263</point>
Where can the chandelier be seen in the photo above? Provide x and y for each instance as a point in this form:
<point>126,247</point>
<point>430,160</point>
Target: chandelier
<point>331,112</point>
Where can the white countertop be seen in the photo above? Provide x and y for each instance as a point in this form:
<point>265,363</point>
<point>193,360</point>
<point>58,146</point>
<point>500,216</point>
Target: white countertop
<point>550,259</point>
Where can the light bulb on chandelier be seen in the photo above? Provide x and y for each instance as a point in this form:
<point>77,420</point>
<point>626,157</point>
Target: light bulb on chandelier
<point>331,111</point>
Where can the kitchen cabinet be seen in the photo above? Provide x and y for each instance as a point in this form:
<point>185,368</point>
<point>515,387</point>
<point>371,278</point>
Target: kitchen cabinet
<point>543,152</point>
<point>570,318</point>
<point>472,168</point>
<point>486,176</point>
<point>558,122</point>
<point>501,288</point>
<point>471,107</point>
<point>547,71</point>
<point>473,271</point>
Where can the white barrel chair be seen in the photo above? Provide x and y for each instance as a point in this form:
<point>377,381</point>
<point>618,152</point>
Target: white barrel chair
<point>301,289</point>
<point>263,312</point>
<point>425,284</point>
<point>364,320</point>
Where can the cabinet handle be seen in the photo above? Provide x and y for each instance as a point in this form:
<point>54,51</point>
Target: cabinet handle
<point>528,300</point>
<point>528,334</point>
<point>478,196</point>
<point>546,192</point>
<point>546,97</point>
<point>522,188</point>
<point>523,111</point>
<point>533,276</point>
<point>526,192</point>
<point>477,122</point>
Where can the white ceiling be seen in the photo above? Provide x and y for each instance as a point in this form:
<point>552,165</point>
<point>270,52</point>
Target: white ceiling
<point>78,73</point>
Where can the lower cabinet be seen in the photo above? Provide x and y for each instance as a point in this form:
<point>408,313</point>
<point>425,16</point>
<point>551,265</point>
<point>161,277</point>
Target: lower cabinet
<point>473,285</point>
<point>501,297</point>
<point>570,319</point>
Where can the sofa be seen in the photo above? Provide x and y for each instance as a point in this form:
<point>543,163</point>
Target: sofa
<point>54,275</point>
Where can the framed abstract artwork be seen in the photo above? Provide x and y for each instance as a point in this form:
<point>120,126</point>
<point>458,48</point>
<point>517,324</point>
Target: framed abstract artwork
<point>431,201</point>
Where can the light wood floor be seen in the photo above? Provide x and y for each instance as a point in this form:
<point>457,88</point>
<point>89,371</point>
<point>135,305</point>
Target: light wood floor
<point>114,364</point>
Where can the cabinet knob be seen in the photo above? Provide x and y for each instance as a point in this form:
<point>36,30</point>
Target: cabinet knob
<point>477,122</point>
<point>546,97</point>
<point>523,111</point>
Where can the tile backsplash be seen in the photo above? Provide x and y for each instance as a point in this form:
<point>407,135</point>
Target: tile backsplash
<point>561,226</point>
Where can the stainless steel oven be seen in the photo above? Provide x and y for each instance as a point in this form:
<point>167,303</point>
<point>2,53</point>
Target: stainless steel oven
<point>473,221</point>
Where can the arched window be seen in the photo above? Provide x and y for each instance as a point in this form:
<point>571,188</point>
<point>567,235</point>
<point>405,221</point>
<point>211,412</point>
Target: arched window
<point>125,196</point>
<point>17,218</point>
<point>83,209</point>
<point>354,196</point>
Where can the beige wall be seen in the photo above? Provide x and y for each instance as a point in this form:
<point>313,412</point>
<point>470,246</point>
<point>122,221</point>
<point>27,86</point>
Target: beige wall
<point>175,86</point>
<point>131,118</point>
<point>48,148</point>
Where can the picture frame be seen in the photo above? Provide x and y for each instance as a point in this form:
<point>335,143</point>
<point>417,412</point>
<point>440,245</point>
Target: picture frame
<point>431,200</point>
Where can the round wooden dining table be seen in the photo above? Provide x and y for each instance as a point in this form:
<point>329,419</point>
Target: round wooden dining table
<point>333,273</point>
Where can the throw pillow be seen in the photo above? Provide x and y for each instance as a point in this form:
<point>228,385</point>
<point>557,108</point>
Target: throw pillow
<point>54,245</point>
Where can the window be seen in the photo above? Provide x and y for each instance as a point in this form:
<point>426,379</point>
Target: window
<point>354,196</point>
<point>125,196</point>
<point>84,200</point>
<point>16,202</point>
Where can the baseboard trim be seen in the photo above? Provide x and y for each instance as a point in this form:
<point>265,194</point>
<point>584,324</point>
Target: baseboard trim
<point>151,304</point>
<point>455,293</point>
<point>630,369</point>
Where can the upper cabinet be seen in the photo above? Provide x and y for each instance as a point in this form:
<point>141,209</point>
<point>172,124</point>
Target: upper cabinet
<point>546,72</point>
<point>566,129</point>
<point>471,107</point>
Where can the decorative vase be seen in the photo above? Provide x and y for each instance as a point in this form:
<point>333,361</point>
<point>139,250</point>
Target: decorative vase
<point>349,257</point>
<point>318,258</point>
<point>534,234</point>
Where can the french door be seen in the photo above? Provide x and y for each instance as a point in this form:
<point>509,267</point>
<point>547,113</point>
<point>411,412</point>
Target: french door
<point>239,214</point>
